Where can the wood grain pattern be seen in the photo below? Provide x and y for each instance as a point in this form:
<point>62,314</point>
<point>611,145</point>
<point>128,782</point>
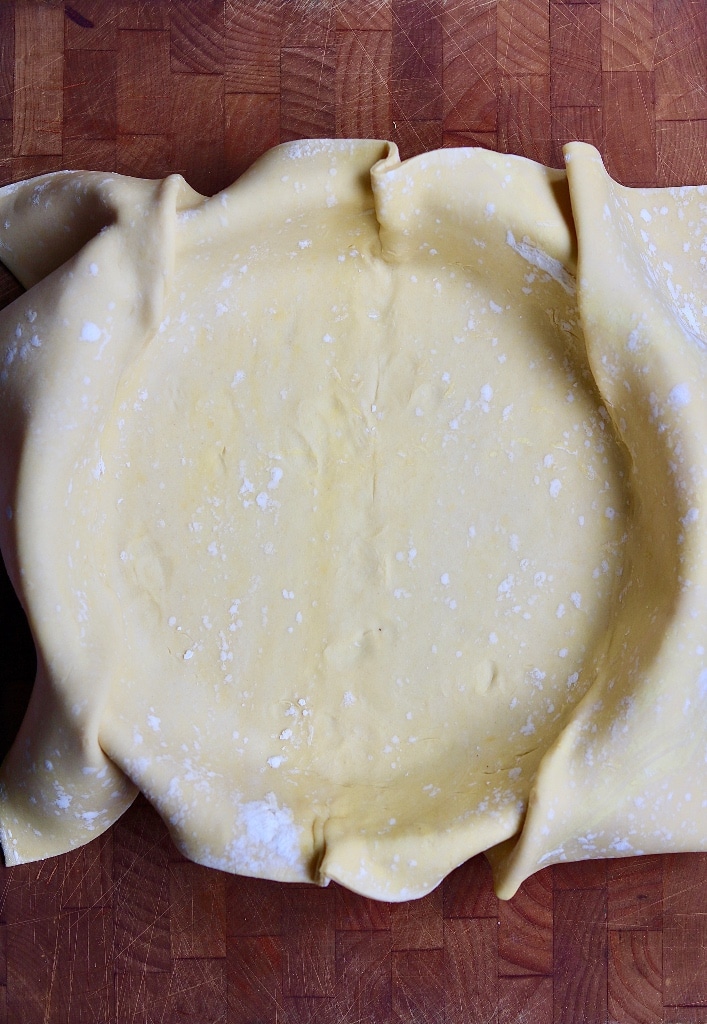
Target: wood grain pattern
<point>141,900</point>
<point>143,103</point>
<point>101,18</point>
<point>89,94</point>
<point>467,892</point>
<point>197,37</point>
<point>308,93</point>
<point>126,930</point>
<point>629,106</point>
<point>418,984</point>
<point>575,47</point>
<point>525,934</point>
<point>360,914</point>
<point>352,16</point>
<point>627,37</point>
<point>523,37</point>
<point>7,65</point>
<point>418,924</point>
<point>197,899</point>
<point>580,976</point>
<point>309,950</point>
<point>635,976</point>
<point>524,116</point>
<point>38,85</point>
<point>470,69</point>
<point>364,975</point>
<point>252,35</point>
<point>471,970</point>
<point>583,124</point>
<point>684,931</point>
<point>681,154</point>
<point>252,127</point>
<point>680,60</point>
<point>362,72</point>
<point>635,893</point>
<point>417,41</point>
<point>254,970</point>
<point>525,1000</point>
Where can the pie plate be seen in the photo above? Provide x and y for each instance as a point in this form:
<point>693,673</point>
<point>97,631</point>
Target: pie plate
<point>358,513</point>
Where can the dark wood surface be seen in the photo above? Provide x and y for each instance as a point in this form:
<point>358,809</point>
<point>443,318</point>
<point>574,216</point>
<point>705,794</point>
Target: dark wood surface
<point>126,931</point>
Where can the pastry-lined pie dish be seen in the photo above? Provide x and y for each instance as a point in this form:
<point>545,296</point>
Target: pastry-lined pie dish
<point>358,513</point>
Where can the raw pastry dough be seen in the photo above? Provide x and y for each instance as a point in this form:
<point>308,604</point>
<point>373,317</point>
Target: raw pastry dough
<point>358,512</point>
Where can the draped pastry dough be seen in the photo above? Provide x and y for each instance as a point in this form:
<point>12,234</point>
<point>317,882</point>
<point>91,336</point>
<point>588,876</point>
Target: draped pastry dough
<point>358,513</point>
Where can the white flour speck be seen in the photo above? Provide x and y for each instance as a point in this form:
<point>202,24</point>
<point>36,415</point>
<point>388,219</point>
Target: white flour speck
<point>679,396</point>
<point>90,331</point>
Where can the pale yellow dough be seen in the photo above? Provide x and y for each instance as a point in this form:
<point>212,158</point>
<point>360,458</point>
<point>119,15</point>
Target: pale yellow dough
<point>359,513</point>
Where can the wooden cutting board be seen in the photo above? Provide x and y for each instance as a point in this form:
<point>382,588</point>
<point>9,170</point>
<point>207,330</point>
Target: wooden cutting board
<point>125,930</point>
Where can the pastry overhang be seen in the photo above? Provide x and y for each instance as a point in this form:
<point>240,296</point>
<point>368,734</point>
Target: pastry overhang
<point>358,513</point>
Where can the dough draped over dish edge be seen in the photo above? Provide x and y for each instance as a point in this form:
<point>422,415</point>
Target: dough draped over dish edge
<point>625,772</point>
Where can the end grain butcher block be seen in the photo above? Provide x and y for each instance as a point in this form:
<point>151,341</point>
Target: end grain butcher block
<point>204,89</point>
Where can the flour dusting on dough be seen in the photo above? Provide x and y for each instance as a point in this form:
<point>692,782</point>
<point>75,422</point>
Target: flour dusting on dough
<point>269,839</point>
<point>537,258</point>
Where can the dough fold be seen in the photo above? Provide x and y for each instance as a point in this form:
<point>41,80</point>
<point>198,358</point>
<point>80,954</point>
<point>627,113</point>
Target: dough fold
<point>358,513</point>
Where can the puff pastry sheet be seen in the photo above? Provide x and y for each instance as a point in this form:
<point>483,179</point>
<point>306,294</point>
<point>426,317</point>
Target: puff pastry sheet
<point>359,513</point>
